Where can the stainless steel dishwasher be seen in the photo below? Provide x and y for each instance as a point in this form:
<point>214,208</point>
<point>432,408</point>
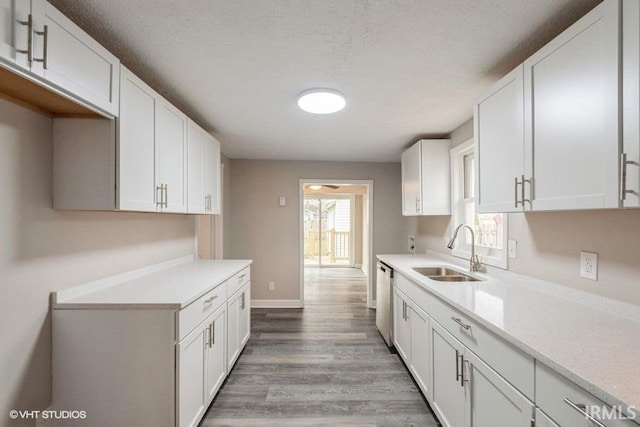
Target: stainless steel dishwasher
<point>384,305</point>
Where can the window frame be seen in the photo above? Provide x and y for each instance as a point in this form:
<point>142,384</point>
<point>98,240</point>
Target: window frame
<point>458,208</point>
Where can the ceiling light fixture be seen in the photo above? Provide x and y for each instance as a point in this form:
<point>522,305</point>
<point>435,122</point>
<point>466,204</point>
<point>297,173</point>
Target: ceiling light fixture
<point>315,187</point>
<point>321,101</point>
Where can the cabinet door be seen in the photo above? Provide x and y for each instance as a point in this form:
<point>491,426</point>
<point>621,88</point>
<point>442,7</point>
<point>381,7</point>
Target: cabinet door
<point>631,102</point>
<point>435,180</point>
<point>196,196</point>
<point>491,400</point>
<point>448,394</point>
<point>572,115</point>
<point>420,349</point>
<point>401,331</point>
<point>233,327</point>
<point>14,32</point>
<point>72,60</point>
<point>542,420</point>
<point>411,180</point>
<point>171,155</point>
<point>212,174</point>
<point>191,377</point>
<point>215,357</point>
<point>499,145</point>
<point>136,145</point>
<point>244,322</point>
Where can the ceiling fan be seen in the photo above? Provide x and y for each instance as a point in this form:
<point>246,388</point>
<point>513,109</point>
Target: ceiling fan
<point>319,186</point>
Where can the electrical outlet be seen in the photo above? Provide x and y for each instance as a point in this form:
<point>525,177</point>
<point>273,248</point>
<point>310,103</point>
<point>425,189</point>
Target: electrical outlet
<point>512,248</point>
<point>272,286</point>
<point>411,244</point>
<point>589,265</point>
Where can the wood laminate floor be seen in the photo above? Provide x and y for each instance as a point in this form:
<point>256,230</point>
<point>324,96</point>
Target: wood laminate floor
<point>324,365</point>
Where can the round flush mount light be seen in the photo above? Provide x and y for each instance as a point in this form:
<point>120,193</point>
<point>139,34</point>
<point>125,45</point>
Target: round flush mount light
<point>321,101</point>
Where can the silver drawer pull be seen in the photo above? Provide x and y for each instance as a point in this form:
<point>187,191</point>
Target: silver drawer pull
<point>581,408</point>
<point>210,300</point>
<point>461,323</point>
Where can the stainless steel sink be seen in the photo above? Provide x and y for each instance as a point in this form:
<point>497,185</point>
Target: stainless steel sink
<point>459,278</point>
<point>445,274</point>
<point>436,271</point>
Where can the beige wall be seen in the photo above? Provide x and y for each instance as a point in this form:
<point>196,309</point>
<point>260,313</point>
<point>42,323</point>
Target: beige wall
<point>269,234</point>
<point>549,244</point>
<point>43,250</point>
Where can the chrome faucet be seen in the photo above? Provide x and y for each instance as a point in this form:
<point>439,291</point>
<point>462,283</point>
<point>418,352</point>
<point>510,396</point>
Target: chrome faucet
<point>474,262</point>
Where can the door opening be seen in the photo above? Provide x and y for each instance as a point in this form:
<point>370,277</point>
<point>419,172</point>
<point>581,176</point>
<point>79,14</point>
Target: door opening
<point>335,231</point>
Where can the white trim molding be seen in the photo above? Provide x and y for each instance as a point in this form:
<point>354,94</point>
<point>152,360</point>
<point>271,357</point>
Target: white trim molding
<point>277,303</point>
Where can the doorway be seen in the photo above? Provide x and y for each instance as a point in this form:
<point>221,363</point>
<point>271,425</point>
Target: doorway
<point>335,231</point>
<point>329,238</point>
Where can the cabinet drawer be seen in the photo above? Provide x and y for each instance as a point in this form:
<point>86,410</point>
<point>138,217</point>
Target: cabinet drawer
<point>555,395</point>
<point>419,295</point>
<point>238,281</point>
<point>193,314</point>
<point>511,363</point>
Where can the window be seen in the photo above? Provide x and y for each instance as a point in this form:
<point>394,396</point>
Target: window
<point>489,228</point>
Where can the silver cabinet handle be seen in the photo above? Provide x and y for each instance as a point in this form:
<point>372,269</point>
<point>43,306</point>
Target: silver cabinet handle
<point>458,357</point>
<point>522,190</point>
<point>515,186</point>
<point>581,408</point>
<point>417,204</point>
<point>462,378</point>
<point>404,310</point>
<point>210,300</point>
<point>461,323</point>
<point>45,34</point>
<point>212,328</point>
<point>159,195</point>
<point>166,195</point>
<point>241,277</point>
<point>623,176</point>
<point>29,50</point>
<point>243,305</point>
<point>208,343</point>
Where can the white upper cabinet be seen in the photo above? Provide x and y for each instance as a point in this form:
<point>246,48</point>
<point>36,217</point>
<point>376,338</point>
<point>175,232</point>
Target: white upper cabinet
<point>136,145</point>
<point>499,139</point>
<point>171,156</point>
<point>572,133</point>
<point>426,178</point>
<point>411,178</point>
<point>44,46</point>
<point>630,161</point>
<point>137,162</point>
<point>203,162</point>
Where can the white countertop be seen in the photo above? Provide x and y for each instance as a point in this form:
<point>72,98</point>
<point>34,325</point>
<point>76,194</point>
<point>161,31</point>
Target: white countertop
<point>171,288</point>
<point>593,341</point>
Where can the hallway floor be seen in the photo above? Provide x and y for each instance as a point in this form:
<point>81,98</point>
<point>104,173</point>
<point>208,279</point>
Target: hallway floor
<point>325,365</point>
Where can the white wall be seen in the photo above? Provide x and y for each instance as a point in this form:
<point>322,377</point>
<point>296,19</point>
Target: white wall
<point>43,250</point>
<point>269,234</point>
<point>549,244</point>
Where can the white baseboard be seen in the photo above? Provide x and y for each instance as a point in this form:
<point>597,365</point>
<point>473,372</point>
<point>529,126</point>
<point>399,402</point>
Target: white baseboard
<point>277,303</point>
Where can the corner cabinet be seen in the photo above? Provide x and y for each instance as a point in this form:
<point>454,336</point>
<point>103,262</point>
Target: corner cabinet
<point>43,46</point>
<point>548,133</point>
<point>426,178</point>
<point>148,365</point>
<point>142,161</point>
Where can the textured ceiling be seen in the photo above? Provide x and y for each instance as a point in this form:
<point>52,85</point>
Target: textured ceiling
<point>407,68</point>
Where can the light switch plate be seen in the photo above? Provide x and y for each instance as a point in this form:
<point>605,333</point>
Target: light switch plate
<point>589,265</point>
<point>512,248</point>
<point>282,201</point>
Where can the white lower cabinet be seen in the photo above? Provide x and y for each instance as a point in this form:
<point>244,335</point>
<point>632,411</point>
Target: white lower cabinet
<point>239,323</point>
<point>149,366</point>
<point>567,404</point>
<point>401,332</point>
<point>467,392</point>
<point>411,339</point>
